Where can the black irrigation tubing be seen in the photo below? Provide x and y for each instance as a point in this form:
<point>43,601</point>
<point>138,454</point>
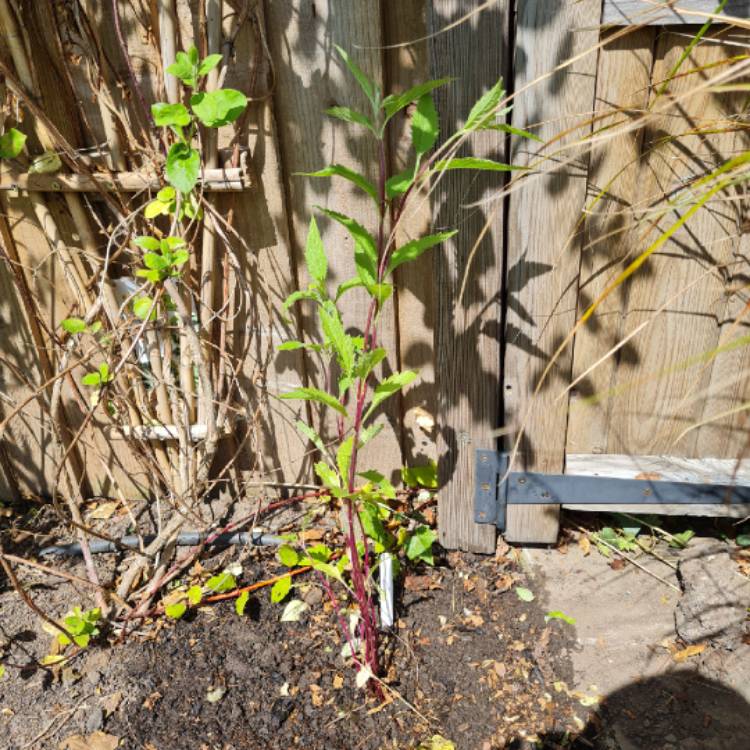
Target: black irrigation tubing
<point>186,539</point>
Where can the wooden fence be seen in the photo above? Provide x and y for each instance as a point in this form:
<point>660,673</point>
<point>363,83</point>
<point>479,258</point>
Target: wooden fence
<point>481,345</point>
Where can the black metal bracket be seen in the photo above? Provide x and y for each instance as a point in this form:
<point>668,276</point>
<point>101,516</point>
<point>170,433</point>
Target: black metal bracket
<point>496,488</point>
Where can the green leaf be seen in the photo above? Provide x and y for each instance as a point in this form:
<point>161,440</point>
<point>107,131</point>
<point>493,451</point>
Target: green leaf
<point>170,114</point>
<point>515,131</point>
<point>194,595</point>
<point>331,571</point>
<point>419,546</point>
<point>346,286</point>
<point>350,115</point>
<point>344,457</point>
<point>396,102</point>
<point>166,194</point>
<point>217,108</point>
<point>484,111</point>
<point>104,374</point>
<point>524,594</point>
<point>155,208</point>
<point>421,476</point>
<point>287,556</point>
<point>380,292</point>
<point>46,163</point>
<point>209,63</point>
<point>51,659</point>
<point>368,361</point>
<point>311,435</point>
<point>424,125</point>
<point>290,346</point>
<point>294,610</point>
<point>176,610</point>
<point>473,162</point>
<point>74,325</point>
<point>373,525</point>
<point>371,91</point>
<point>224,581</point>
<point>314,394</point>
<point>12,142</point>
<point>2,671</point>
<point>183,167</point>
<point>368,434</point>
<point>365,250</point>
<point>388,387</point>
<point>557,615</point>
<point>143,307</point>
<point>682,539</point>
<point>320,552</point>
<point>336,336</point>
<point>300,294</point>
<point>399,183</point>
<point>743,540</point>
<point>92,379</point>
<point>147,243</point>
<point>315,254</point>
<point>338,170</point>
<point>241,603</point>
<point>155,262</point>
<point>328,476</point>
<point>184,69</point>
<point>412,250</point>
<point>280,589</point>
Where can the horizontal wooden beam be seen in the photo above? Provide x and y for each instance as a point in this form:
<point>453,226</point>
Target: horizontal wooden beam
<point>663,468</point>
<point>660,13</point>
<point>234,179</point>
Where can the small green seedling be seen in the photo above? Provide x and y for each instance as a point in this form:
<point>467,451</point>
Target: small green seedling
<point>81,624</point>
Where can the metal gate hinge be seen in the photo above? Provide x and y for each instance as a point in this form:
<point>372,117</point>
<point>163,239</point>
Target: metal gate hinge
<point>496,488</point>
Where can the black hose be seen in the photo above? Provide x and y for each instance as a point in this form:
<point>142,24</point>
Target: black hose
<point>186,539</point>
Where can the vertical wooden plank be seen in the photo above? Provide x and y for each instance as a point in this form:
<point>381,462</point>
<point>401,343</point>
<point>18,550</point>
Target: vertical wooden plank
<point>622,94</point>
<point>657,392</point>
<point>543,239</point>
<point>310,77</point>
<point>405,20</point>
<point>467,330</point>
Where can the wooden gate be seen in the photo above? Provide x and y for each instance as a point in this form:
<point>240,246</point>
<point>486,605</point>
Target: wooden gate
<point>659,370</point>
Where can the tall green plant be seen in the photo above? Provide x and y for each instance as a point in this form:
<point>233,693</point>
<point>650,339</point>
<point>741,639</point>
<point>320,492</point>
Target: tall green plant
<point>357,394</point>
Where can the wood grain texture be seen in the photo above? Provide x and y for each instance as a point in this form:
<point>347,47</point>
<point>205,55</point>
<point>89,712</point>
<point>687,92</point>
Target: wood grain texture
<point>666,469</point>
<point>661,387</point>
<point>407,66</point>
<point>467,331</point>
<point>658,12</point>
<point>311,77</point>
<point>544,242</point>
<point>622,95</point>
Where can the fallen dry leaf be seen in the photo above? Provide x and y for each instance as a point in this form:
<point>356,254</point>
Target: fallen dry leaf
<point>96,741</point>
<point>685,653</point>
<point>111,702</point>
<point>312,535</point>
<point>617,564</point>
<point>417,583</point>
<point>585,545</point>
<point>103,511</point>
<point>338,681</point>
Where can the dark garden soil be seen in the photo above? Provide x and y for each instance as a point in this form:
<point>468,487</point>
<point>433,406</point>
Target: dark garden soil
<point>468,660</point>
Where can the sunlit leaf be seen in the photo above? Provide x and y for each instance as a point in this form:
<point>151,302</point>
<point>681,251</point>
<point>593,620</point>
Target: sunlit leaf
<point>412,250</point>
<point>314,394</point>
<point>338,170</point>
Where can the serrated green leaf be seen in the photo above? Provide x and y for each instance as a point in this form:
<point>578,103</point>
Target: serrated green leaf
<point>351,115</point>
<point>399,183</point>
<point>74,325</point>
<point>421,476</point>
<point>396,102</point>
<point>241,603</point>
<point>217,108</point>
<point>183,167</point>
<point>412,250</point>
<point>176,610</point>
<point>170,114</point>
<point>12,142</point>
<point>91,379</point>
<point>315,254</point>
<point>380,293</point>
<point>368,434</point>
<point>288,556</point>
<point>147,243</point>
<point>320,552</point>
<point>327,475</point>
<point>336,336</point>
<point>143,307</point>
<point>344,457</point>
<point>184,69</point>
<point>280,589</point>
<point>368,361</point>
<point>388,387</point>
<point>314,394</point>
<point>338,170</point>
<point>300,294</point>
<point>515,131</point>
<point>365,250</point>
<point>346,286</point>
<point>311,435</point>
<point>424,125</point>
<point>524,594</point>
<point>373,526</point>
<point>194,595</point>
<point>473,162</point>
<point>331,571</point>
<point>369,88</point>
<point>209,63</point>
<point>484,111</point>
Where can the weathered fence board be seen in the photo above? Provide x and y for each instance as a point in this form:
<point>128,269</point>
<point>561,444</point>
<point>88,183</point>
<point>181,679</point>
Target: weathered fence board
<point>661,12</point>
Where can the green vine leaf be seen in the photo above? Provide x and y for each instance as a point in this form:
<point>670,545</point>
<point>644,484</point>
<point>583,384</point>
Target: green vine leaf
<point>224,581</point>
<point>12,142</point>
<point>392,384</point>
<point>314,394</point>
<point>183,167</point>
<point>338,170</point>
<point>185,67</point>
<point>412,250</point>
<point>209,63</point>
<point>287,556</point>
<point>170,114</point>
<point>217,108</point>
<point>147,243</point>
<point>143,308</point>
